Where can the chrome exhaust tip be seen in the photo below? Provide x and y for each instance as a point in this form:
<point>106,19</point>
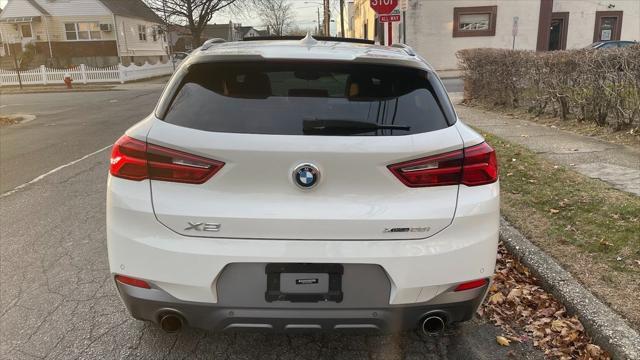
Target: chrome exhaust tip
<point>432,325</point>
<point>171,323</point>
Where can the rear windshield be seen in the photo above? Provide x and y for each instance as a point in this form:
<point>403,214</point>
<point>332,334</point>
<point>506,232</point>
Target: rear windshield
<point>291,98</point>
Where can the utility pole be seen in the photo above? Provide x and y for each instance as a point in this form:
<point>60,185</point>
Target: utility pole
<point>327,19</point>
<point>342,17</point>
<point>167,35</point>
<point>319,23</point>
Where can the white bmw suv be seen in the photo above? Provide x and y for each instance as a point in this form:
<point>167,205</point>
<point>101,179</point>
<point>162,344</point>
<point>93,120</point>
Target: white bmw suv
<point>303,185</point>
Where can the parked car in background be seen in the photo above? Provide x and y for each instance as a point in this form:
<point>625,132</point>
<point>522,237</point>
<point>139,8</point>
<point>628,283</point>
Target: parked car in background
<point>303,185</point>
<point>179,55</point>
<point>613,44</point>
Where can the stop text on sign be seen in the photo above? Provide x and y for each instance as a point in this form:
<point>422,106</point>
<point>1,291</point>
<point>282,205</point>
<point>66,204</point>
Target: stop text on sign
<point>382,7</point>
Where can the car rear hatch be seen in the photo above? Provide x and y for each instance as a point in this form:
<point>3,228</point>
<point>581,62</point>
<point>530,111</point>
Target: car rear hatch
<point>269,123</point>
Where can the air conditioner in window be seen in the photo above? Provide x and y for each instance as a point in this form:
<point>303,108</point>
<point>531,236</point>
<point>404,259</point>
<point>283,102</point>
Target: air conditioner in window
<point>106,27</point>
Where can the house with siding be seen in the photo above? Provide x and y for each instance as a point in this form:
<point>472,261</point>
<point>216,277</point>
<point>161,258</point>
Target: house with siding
<point>92,32</point>
<point>437,29</point>
<point>230,31</point>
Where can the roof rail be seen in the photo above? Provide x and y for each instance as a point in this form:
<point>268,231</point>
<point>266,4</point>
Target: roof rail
<point>319,38</point>
<point>209,43</point>
<point>406,48</point>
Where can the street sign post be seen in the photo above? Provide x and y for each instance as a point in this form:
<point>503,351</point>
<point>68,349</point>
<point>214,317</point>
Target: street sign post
<point>382,7</point>
<point>404,5</point>
<point>514,31</point>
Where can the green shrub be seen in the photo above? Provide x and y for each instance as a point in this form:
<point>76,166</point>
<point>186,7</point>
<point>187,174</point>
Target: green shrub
<point>602,86</point>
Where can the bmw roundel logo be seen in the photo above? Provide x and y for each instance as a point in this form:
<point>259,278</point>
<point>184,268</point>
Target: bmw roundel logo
<point>306,176</point>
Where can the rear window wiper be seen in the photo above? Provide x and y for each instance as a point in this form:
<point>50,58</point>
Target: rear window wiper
<point>323,126</point>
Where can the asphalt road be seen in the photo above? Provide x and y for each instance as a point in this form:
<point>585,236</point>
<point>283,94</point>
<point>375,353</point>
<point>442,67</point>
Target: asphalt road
<point>57,298</point>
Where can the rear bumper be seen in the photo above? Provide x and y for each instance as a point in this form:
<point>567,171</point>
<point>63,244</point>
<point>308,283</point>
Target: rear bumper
<point>189,268</point>
<point>152,304</point>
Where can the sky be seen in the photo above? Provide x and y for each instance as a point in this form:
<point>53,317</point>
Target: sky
<point>305,13</point>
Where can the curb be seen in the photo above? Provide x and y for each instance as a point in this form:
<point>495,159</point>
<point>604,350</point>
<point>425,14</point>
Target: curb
<point>56,90</point>
<point>607,328</point>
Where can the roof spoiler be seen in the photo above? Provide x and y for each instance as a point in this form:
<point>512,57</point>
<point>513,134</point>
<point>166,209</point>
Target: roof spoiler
<point>209,43</point>
<point>408,49</point>
<point>318,38</point>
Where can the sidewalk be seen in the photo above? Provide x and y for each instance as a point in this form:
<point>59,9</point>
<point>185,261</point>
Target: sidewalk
<point>618,165</point>
<point>150,83</point>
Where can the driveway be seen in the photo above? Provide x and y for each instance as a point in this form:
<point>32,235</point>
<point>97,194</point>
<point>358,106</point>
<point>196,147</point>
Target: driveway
<point>57,297</point>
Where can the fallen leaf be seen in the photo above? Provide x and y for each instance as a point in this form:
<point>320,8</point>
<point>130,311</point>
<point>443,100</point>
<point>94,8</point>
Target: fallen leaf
<point>554,211</point>
<point>513,294</point>
<point>502,340</point>
<point>557,325</point>
<point>594,350</point>
<point>605,243</point>
<point>497,298</point>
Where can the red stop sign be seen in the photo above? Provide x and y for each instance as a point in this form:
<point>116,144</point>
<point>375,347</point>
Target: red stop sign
<point>383,6</point>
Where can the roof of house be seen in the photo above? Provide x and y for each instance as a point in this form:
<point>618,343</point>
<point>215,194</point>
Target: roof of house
<point>245,29</point>
<point>221,31</point>
<point>131,8</point>
<point>35,4</point>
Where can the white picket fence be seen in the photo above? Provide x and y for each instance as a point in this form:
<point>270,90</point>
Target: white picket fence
<point>85,74</point>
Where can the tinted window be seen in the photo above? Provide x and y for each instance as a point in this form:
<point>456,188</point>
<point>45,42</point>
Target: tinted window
<point>284,98</point>
<point>609,45</point>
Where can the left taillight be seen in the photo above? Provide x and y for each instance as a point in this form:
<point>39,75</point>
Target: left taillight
<point>136,160</point>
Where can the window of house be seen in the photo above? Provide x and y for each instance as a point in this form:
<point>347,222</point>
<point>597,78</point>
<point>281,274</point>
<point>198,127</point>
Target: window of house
<point>474,21</point>
<point>154,35</point>
<point>82,31</point>
<point>142,32</point>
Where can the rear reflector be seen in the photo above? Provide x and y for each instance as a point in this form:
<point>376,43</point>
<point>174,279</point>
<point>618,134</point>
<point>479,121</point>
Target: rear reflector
<point>136,160</point>
<point>133,282</point>
<point>472,285</point>
<point>472,166</point>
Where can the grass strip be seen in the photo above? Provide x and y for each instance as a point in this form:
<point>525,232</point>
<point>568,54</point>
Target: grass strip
<point>557,204</point>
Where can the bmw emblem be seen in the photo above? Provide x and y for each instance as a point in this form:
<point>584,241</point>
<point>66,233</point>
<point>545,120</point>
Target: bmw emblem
<point>306,176</point>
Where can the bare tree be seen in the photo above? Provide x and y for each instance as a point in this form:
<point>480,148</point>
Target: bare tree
<point>299,31</point>
<point>275,14</point>
<point>195,14</point>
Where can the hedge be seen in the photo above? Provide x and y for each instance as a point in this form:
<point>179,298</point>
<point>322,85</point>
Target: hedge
<point>602,86</point>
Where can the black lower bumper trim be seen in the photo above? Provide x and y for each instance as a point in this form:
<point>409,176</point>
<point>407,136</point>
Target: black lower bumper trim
<point>151,304</point>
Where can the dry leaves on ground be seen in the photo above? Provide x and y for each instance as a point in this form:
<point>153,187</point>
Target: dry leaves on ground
<point>525,311</point>
<point>6,120</point>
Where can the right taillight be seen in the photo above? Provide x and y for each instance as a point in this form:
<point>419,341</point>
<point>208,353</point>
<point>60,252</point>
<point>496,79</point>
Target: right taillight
<point>136,160</point>
<point>472,166</point>
<point>480,165</point>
